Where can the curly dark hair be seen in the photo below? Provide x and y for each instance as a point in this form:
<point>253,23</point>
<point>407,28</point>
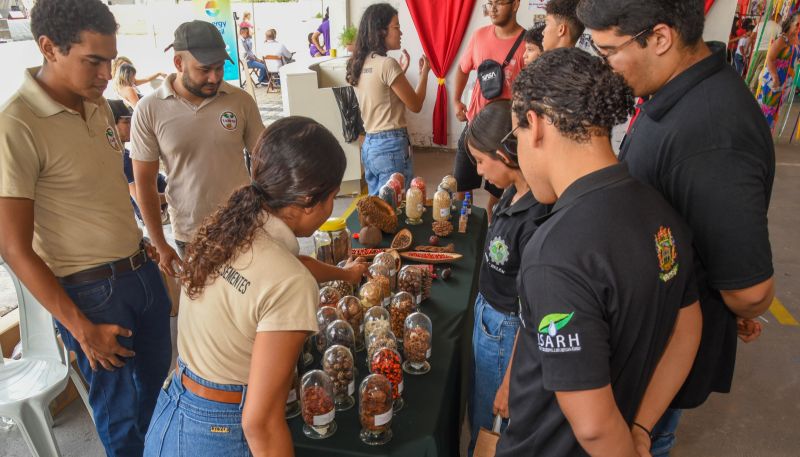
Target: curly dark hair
<point>576,91</point>
<point>296,162</point>
<point>630,17</point>
<point>63,21</point>
<point>371,38</point>
<point>535,36</point>
<point>564,10</point>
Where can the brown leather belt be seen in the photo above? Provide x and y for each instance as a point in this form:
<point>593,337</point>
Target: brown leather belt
<point>209,393</point>
<point>107,270</point>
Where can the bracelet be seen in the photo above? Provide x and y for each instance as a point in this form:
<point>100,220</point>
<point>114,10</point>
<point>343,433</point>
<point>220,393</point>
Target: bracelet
<point>649,433</point>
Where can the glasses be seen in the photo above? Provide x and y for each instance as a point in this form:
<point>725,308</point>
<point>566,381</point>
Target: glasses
<point>509,144</point>
<point>609,51</point>
<point>492,6</point>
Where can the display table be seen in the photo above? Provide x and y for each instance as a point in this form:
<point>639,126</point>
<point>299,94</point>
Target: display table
<point>429,424</point>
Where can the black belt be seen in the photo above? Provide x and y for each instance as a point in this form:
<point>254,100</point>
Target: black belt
<point>107,270</point>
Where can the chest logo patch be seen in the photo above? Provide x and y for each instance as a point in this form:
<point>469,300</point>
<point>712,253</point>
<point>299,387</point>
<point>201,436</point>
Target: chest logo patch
<point>667,254</point>
<point>552,339</point>
<point>112,139</point>
<point>498,251</point>
<point>229,121</point>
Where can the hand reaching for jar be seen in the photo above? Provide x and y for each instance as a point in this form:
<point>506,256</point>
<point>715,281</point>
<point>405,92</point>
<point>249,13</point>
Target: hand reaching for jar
<point>355,269</point>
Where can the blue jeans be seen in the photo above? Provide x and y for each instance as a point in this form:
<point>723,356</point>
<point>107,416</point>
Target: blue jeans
<point>664,433</point>
<point>383,154</point>
<point>262,70</point>
<point>492,344</point>
<point>123,400</point>
<point>185,425</point>
<point>738,63</point>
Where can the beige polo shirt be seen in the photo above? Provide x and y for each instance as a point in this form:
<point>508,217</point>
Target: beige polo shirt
<point>264,289</point>
<point>72,170</point>
<point>381,108</point>
<point>201,147</point>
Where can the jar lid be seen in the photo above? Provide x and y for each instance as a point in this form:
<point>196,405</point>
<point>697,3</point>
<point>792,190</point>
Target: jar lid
<point>334,224</point>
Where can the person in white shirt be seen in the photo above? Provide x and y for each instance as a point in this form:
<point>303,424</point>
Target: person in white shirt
<point>274,48</point>
<point>770,29</point>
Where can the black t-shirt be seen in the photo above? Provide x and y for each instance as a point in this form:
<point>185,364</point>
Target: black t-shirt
<point>703,143</point>
<point>512,227</point>
<point>601,284</point>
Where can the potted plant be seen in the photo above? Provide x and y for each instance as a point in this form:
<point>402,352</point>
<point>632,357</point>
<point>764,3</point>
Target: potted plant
<point>348,38</point>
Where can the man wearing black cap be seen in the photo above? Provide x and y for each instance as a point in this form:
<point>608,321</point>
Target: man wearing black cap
<point>198,125</point>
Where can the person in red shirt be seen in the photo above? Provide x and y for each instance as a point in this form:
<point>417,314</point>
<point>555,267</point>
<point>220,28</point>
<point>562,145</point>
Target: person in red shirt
<point>490,42</point>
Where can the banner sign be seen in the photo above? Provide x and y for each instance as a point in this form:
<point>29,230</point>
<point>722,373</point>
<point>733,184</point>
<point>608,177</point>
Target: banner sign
<point>218,12</point>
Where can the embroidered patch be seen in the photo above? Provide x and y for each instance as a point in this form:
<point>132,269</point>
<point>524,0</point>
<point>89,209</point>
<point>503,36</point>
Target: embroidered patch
<point>228,121</point>
<point>552,339</point>
<point>667,254</point>
<point>112,139</point>
<point>498,251</point>
<point>220,429</point>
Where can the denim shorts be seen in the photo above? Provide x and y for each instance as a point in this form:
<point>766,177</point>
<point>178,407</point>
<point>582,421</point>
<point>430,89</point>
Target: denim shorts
<point>383,154</point>
<point>185,425</point>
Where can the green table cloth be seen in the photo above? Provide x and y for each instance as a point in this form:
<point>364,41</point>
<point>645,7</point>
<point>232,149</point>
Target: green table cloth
<point>429,424</point>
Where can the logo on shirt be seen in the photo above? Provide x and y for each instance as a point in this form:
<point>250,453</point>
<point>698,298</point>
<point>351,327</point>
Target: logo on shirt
<point>112,139</point>
<point>498,251</point>
<point>228,121</point>
<point>552,339</point>
<point>667,254</point>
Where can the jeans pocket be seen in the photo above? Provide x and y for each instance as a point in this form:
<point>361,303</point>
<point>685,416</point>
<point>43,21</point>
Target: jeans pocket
<point>92,298</point>
<point>490,326</point>
<point>209,434</point>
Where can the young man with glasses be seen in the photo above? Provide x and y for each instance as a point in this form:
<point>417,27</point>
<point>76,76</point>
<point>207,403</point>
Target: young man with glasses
<point>562,27</point>
<point>490,42</point>
<point>702,142</point>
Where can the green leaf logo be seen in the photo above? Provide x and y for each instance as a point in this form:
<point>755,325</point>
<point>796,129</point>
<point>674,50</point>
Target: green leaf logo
<point>552,323</point>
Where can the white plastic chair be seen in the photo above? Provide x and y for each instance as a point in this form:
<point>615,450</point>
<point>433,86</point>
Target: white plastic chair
<point>28,385</point>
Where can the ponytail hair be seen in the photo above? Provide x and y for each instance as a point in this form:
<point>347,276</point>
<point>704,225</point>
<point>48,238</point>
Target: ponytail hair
<point>296,162</point>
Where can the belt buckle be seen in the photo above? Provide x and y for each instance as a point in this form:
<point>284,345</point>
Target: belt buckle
<point>132,261</point>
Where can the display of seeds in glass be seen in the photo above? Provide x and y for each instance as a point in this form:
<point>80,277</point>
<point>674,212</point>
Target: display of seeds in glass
<point>417,342</point>
<point>375,409</point>
<point>316,399</point>
<point>370,294</point>
<point>387,194</point>
<point>388,261</point>
<point>402,305</point>
<point>376,320</point>
<point>351,310</point>
<point>380,275</point>
<point>338,365</point>
<point>343,287</point>
<point>388,363</point>
<point>325,316</point>
<point>410,280</point>
<point>328,296</point>
<point>308,358</point>
<point>293,399</point>
<point>340,332</point>
<point>378,341</point>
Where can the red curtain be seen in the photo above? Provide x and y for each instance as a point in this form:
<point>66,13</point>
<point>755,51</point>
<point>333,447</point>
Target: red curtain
<point>441,25</point>
<point>708,5</point>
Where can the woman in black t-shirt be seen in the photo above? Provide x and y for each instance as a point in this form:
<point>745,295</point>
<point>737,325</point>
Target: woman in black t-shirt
<point>492,149</point>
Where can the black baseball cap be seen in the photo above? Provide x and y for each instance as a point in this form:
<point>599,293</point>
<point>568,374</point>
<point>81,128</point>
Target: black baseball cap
<point>203,40</point>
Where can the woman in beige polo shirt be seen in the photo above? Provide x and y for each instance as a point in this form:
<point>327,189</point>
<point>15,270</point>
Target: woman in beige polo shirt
<point>383,94</point>
<point>248,303</point>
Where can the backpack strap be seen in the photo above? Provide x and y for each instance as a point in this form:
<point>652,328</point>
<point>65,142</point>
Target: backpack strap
<point>514,48</point>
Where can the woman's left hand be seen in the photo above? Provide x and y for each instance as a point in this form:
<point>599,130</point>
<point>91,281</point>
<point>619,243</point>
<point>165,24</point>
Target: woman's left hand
<point>424,65</point>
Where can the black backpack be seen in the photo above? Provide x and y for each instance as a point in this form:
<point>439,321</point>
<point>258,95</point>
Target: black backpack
<point>490,73</point>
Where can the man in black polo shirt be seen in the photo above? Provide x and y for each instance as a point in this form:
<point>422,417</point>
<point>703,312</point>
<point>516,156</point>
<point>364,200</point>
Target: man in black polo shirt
<point>702,142</point>
<point>606,282</point>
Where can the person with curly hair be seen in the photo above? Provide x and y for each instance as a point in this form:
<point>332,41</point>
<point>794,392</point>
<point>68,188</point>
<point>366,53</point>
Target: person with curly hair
<point>248,303</point>
<point>702,142</point>
<point>66,226</point>
<point>383,94</point>
<point>562,27</point>
<point>608,304</point>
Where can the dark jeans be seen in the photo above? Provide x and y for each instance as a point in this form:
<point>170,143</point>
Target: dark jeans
<point>664,433</point>
<point>262,70</point>
<point>123,400</point>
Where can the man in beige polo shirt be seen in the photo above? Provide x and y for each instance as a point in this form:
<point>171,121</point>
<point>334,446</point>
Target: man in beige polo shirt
<point>199,126</point>
<point>66,226</point>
